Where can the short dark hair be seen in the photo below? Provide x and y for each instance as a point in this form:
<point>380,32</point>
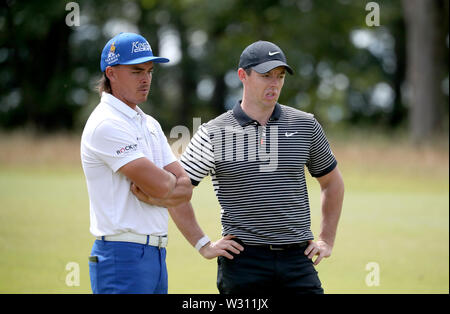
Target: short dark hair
<point>248,71</point>
<point>104,85</point>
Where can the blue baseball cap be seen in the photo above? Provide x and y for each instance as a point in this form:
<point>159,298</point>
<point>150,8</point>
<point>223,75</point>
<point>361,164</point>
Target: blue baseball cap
<point>127,48</point>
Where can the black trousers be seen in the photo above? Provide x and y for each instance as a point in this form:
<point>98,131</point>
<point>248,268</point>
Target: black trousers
<point>259,270</point>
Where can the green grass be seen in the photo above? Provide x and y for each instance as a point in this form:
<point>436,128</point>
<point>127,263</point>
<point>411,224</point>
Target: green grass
<point>394,214</point>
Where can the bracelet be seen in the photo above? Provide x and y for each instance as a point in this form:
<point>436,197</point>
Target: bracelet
<point>202,242</point>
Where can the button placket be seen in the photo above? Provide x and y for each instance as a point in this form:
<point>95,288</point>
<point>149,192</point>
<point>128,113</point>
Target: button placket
<point>143,140</point>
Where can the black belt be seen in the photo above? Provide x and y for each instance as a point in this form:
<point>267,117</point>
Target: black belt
<point>282,247</point>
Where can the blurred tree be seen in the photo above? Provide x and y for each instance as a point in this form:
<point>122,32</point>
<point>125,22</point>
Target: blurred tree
<point>35,61</point>
<point>346,72</point>
<point>427,29</point>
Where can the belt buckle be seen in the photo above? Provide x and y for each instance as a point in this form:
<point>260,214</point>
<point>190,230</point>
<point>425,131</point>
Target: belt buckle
<point>159,242</point>
<point>272,248</point>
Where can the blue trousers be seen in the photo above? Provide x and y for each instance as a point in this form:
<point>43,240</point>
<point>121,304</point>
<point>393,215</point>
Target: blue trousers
<point>124,267</point>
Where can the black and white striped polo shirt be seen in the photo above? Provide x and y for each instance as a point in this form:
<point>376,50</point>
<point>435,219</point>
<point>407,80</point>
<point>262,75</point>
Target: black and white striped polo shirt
<point>258,171</point>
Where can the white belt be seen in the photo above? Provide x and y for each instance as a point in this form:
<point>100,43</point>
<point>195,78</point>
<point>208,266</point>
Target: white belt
<point>159,241</point>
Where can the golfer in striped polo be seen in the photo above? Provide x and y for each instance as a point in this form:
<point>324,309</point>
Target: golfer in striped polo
<point>256,154</point>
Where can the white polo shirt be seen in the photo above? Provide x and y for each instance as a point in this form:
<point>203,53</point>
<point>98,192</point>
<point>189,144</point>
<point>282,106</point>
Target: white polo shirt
<point>113,136</point>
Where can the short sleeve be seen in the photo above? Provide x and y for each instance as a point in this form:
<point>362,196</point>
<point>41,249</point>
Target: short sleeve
<point>198,158</point>
<point>321,159</point>
<point>114,144</point>
<point>167,153</point>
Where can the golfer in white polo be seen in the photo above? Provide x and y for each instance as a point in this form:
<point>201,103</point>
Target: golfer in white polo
<point>121,144</point>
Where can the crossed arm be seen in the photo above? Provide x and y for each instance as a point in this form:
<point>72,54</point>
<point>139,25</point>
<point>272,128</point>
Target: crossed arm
<point>151,179</point>
<point>171,188</point>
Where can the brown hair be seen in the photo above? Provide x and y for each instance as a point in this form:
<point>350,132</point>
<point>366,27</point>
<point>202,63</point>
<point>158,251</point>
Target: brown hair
<point>104,85</point>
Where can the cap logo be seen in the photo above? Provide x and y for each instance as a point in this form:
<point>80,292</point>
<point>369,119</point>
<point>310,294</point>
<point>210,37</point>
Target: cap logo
<point>112,56</point>
<point>137,46</point>
<point>273,53</point>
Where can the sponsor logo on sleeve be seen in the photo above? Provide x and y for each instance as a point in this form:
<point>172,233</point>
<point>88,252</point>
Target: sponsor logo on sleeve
<point>126,149</point>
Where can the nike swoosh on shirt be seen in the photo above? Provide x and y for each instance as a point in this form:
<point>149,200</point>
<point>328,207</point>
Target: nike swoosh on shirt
<point>289,134</point>
<point>273,53</point>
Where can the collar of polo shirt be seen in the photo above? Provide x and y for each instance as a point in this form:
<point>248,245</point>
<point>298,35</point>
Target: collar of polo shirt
<point>119,105</point>
<point>245,120</point>
<point>126,110</point>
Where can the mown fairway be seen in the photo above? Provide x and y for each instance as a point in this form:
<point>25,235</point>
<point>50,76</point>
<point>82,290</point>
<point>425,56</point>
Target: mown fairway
<point>396,214</point>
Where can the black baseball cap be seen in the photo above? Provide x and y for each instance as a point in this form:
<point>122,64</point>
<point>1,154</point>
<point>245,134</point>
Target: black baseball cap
<point>263,56</point>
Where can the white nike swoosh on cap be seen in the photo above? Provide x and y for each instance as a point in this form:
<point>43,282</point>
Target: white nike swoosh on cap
<point>273,53</point>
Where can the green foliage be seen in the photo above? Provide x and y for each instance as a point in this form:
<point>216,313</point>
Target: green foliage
<point>48,69</point>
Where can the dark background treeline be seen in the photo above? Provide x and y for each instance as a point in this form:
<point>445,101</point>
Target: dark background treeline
<point>348,72</point>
